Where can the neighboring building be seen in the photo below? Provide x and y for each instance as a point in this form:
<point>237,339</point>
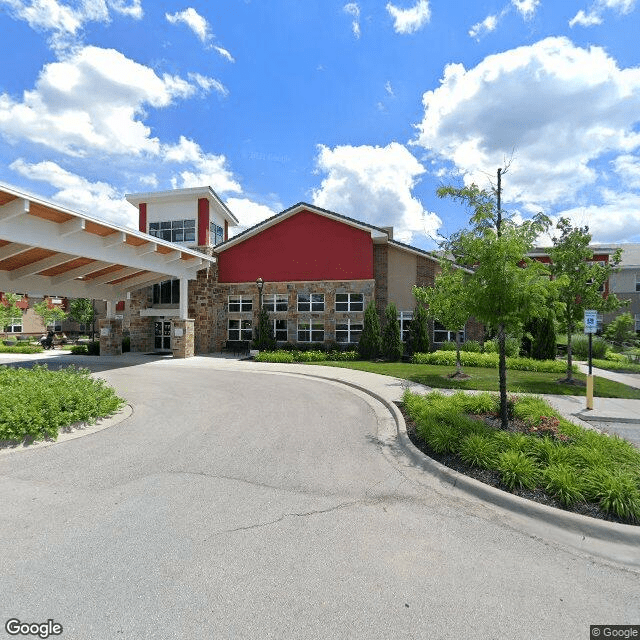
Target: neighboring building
<point>320,270</point>
<point>601,254</point>
<point>626,283</point>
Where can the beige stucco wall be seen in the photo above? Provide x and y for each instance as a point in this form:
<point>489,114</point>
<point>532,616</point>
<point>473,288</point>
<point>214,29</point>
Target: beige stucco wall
<point>401,278</point>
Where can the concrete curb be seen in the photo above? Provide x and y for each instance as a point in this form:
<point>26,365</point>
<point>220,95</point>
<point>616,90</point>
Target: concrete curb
<point>599,418</point>
<point>77,430</point>
<point>610,540</point>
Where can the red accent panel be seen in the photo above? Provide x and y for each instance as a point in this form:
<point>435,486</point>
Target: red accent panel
<point>226,230</point>
<point>203,222</point>
<point>142,217</point>
<point>120,305</point>
<point>306,246</point>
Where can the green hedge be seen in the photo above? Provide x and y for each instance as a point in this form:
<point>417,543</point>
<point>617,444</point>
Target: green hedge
<point>306,356</point>
<point>20,348</point>
<point>566,461</point>
<point>610,365</point>
<point>37,403</point>
<point>490,361</point>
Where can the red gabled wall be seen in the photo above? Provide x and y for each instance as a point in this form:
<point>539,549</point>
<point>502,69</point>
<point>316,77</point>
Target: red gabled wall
<point>305,246</point>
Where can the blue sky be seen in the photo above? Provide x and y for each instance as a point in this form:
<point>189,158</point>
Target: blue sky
<point>364,108</point>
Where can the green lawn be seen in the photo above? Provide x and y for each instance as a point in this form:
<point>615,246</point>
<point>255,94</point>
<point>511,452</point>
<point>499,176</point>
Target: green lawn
<point>487,379</point>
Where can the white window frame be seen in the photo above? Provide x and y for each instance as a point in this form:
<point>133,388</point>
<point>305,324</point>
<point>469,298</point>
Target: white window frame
<point>637,282</point>
<point>353,333</point>
<point>15,326</point>
<point>242,329</point>
<point>311,326</point>
<point>275,302</point>
<point>244,303</point>
<point>350,304</point>
<point>637,319</point>
<point>451,335</point>
<point>405,316</point>
<point>314,304</point>
<point>280,321</point>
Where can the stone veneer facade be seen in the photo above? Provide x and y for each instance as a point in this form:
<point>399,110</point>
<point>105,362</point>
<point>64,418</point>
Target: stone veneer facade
<point>329,317</point>
<point>110,337</point>
<point>182,338</point>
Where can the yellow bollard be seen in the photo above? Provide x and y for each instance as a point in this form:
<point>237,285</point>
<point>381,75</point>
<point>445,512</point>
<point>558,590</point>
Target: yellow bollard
<point>590,392</point>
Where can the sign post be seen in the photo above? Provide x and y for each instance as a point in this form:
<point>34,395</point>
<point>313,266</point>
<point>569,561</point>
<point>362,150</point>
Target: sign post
<point>590,327</point>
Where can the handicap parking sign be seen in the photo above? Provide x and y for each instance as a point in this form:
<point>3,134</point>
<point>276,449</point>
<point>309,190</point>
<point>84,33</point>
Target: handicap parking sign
<point>590,321</point>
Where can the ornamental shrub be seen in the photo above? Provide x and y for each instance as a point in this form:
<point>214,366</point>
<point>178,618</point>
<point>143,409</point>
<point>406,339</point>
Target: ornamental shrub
<point>370,344</point>
<point>392,347</point>
<point>580,346</point>
<point>419,331</point>
<point>471,346</point>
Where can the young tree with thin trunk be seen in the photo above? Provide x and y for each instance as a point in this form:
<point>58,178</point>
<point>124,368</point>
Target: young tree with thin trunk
<point>81,310</point>
<point>49,314</point>
<point>448,302</point>
<point>9,310</point>
<point>505,288</point>
<point>580,281</point>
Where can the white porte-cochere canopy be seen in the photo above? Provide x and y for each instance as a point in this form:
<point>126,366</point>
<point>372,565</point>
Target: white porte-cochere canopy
<point>51,250</point>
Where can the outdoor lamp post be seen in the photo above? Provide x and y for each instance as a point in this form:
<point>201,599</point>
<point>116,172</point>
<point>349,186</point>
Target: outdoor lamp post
<point>260,284</point>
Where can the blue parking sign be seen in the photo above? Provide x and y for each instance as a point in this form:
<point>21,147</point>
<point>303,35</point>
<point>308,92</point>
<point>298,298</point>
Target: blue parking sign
<point>590,321</point>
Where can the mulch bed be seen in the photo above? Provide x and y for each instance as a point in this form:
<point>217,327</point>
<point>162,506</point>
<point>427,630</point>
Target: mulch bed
<point>492,478</point>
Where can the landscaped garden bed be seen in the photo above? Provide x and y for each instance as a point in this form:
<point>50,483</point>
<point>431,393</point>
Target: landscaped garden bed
<point>541,457</point>
<point>38,403</point>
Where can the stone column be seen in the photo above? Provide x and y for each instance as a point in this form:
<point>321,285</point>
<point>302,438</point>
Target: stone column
<point>110,337</point>
<point>182,338</point>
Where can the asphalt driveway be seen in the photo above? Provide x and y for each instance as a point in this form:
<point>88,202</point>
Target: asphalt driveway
<point>239,504</point>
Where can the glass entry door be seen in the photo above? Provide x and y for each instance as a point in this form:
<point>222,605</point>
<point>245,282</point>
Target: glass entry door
<point>162,335</point>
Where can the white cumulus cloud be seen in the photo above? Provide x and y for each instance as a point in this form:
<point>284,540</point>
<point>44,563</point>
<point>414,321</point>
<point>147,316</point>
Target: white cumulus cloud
<point>526,8</point>
<point>412,19</point>
<point>94,101</point>
<point>487,25</point>
<point>374,184</point>
<point>97,199</point>
<point>65,20</point>
<point>249,213</point>
<point>557,107</point>
<point>594,15</point>
<point>200,27</point>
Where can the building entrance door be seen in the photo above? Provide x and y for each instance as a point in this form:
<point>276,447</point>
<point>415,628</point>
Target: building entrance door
<point>162,335</point>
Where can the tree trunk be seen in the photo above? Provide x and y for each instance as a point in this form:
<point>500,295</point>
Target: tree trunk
<point>569,354</point>
<point>458,363</point>
<point>502,373</point>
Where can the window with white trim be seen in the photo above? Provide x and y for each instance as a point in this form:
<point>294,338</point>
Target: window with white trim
<point>349,302</point>
<point>174,230</point>
<point>637,318</point>
<point>14,326</point>
<point>280,330</point>
<point>240,303</point>
<point>310,331</point>
<point>405,318</point>
<point>275,302</point>
<point>348,331</point>
<point>311,302</point>
<point>440,334</point>
<point>167,292</point>
<point>637,281</point>
<point>239,330</point>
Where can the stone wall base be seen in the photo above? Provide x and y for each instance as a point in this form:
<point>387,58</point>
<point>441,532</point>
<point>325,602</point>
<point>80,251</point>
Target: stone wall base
<point>182,338</point>
<point>110,337</point>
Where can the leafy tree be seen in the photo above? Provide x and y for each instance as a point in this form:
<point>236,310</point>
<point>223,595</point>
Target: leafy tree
<point>49,314</point>
<point>621,330</point>
<point>418,341</point>
<point>504,287</point>
<point>392,346</point>
<point>264,338</point>
<point>579,280</point>
<point>370,344</point>
<point>448,302</point>
<point>8,309</point>
<point>81,310</point>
